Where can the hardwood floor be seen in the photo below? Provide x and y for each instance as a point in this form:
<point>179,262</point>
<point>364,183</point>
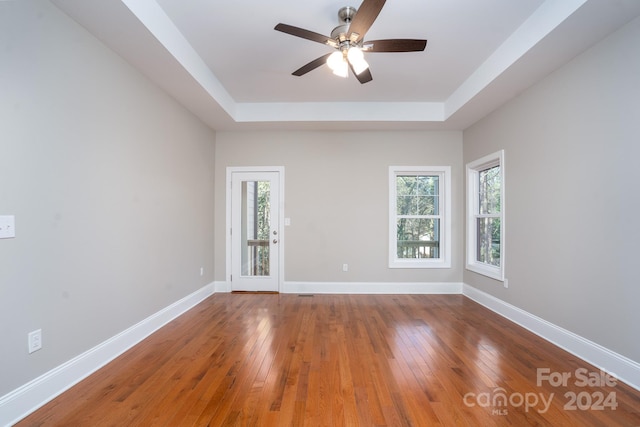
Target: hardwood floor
<point>343,360</point>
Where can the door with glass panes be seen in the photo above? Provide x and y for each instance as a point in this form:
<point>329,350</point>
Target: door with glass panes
<point>255,239</point>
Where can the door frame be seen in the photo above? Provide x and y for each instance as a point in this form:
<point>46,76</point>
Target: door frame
<point>281,234</point>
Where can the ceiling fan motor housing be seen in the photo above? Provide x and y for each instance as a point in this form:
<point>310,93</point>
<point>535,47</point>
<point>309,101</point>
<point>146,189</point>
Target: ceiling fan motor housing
<point>340,30</point>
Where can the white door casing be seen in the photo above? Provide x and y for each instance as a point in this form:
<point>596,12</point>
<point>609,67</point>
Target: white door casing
<point>255,228</point>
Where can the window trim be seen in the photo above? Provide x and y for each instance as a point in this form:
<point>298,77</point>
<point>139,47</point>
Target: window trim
<point>473,170</point>
<point>445,214</point>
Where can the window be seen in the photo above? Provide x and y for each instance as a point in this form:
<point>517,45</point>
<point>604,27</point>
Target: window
<point>419,217</point>
<point>485,216</point>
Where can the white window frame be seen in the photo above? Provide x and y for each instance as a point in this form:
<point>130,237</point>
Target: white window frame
<point>473,170</point>
<point>444,173</point>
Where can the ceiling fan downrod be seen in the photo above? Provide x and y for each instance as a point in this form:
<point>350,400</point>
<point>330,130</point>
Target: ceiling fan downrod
<point>345,16</point>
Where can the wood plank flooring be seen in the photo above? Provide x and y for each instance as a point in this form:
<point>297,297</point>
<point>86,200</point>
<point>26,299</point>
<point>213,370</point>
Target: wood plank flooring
<point>343,360</point>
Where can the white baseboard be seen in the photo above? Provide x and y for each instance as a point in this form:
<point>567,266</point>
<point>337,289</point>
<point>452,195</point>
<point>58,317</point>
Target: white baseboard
<point>222,287</point>
<point>371,288</point>
<point>360,288</point>
<point>622,368</point>
<point>20,402</point>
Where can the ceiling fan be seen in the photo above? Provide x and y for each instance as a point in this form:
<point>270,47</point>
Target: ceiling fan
<point>348,40</point>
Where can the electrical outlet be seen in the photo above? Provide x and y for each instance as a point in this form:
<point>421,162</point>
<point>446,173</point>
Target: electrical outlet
<point>35,340</point>
<point>506,283</point>
<point>345,267</point>
<point>7,226</point>
<point>202,271</point>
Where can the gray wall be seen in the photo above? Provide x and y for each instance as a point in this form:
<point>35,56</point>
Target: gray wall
<point>111,183</point>
<point>337,196</point>
<point>571,146</point>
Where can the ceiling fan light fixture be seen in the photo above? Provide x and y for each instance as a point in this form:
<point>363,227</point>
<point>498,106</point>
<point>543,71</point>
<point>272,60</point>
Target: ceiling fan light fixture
<point>342,70</point>
<point>338,65</point>
<point>356,59</point>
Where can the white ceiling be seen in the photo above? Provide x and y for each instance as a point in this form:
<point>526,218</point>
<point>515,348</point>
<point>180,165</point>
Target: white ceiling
<point>226,63</point>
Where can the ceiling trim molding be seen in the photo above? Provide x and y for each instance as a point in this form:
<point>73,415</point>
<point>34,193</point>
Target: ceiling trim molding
<point>340,112</point>
<point>149,40</point>
<point>155,19</point>
<point>540,24</point>
<point>544,20</point>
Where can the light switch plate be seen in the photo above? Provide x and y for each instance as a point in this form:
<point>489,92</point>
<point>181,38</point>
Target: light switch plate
<point>7,226</point>
<point>35,340</point>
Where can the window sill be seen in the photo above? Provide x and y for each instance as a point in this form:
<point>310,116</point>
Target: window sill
<point>420,264</point>
<point>487,270</point>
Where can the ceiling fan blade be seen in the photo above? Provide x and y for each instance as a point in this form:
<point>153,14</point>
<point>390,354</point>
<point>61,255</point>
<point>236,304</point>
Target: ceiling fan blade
<point>312,65</point>
<point>363,77</point>
<point>366,14</point>
<point>394,45</point>
<point>305,34</point>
